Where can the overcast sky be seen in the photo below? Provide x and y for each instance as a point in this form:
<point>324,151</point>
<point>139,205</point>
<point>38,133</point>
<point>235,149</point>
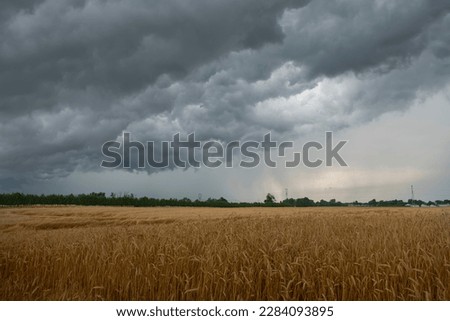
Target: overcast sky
<point>77,73</point>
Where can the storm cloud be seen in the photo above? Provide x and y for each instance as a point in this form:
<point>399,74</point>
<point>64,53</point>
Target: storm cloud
<point>74,74</point>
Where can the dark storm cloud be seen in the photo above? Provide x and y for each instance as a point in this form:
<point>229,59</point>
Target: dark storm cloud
<point>395,51</point>
<point>10,184</point>
<point>118,48</point>
<point>74,74</point>
<point>72,63</point>
<point>332,37</point>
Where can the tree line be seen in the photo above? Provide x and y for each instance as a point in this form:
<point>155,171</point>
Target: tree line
<point>101,199</point>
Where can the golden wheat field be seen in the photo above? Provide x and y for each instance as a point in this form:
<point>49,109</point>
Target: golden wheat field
<point>118,253</point>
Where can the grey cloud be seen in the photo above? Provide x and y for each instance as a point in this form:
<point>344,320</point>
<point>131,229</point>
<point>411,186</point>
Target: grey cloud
<point>95,61</point>
<point>74,74</point>
<point>10,184</point>
<point>118,48</point>
<point>334,37</point>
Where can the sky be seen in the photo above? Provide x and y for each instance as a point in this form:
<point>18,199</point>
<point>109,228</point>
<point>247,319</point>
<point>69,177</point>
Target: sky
<point>76,74</point>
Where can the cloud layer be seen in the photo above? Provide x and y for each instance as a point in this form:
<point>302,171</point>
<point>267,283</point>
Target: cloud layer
<point>74,74</point>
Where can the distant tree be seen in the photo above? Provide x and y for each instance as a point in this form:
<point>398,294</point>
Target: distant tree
<point>128,199</point>
<point>304,202</point>
<point>270,199</point>
<point>289,202</point>
<point>223,200</point>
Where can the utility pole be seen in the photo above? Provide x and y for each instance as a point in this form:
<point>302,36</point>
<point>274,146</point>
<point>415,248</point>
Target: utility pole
<point>412,194</point>
<point>286,192</point>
